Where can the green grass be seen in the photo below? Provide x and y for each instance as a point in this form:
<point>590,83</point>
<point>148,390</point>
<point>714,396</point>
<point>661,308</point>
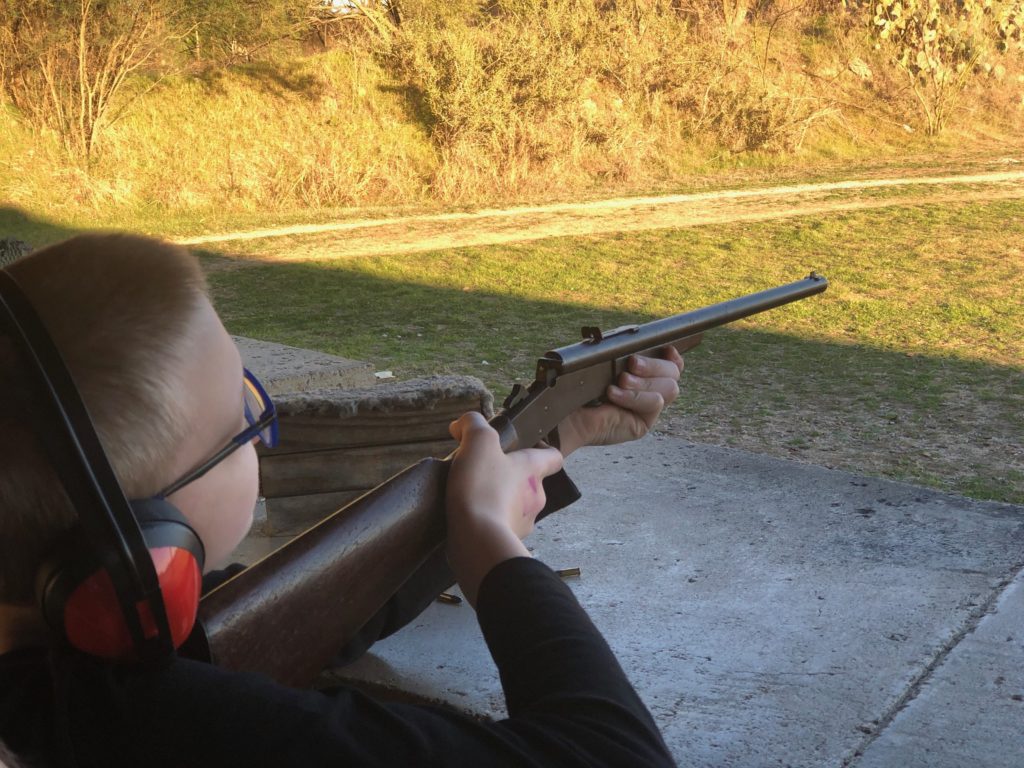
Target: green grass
<point>910,366</point>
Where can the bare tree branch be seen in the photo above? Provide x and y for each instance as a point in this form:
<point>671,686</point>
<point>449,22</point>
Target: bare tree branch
<point>71,82</point>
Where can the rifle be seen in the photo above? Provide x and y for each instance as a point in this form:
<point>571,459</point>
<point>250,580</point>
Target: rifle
<point>290,613</point>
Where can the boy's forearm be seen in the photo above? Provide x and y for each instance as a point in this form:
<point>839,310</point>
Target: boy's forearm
<point>475,548</point>
<point>557,670</point>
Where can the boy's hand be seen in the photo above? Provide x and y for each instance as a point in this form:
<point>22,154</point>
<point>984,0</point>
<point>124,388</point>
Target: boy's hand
<point>643,391</point>
<point>492,500</point>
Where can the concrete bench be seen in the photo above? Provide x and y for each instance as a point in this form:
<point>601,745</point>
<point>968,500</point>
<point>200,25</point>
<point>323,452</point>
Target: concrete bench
<point>342,432</point>
<point>338,443</point>
<point>769,612</point>
<point>283,369</point>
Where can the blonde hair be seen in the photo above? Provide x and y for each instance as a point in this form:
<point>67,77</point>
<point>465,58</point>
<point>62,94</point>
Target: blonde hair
<point>120,309</point>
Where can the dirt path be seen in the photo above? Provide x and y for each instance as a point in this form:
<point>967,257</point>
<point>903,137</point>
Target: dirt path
<point>451,230</point>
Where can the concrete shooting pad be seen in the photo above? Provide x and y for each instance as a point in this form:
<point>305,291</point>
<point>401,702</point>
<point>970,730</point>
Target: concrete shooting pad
<point>772,613</point>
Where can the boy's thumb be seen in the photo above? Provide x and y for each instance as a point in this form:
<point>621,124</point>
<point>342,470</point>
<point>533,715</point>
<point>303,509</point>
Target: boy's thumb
<point>467,423</point>
<point>550,460</point>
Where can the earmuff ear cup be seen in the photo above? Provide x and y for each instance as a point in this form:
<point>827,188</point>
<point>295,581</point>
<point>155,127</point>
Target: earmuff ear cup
<point>80,601</point>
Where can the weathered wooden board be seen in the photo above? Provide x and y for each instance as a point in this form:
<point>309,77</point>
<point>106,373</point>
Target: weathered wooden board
<point>388,414</point>
<point>336,443</point>
<point>342,469</point>
<point>308,432</point>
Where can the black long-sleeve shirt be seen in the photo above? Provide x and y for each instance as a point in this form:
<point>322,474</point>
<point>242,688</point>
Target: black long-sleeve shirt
<point>569,703</point>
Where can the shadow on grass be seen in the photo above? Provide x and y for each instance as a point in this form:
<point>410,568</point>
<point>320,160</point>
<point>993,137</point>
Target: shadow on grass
<point>278,79</point>
<point>273,78</point>
<point>414,103</point>
<point>37,232</point>
<point>946,422</point>
<point>941,421</point>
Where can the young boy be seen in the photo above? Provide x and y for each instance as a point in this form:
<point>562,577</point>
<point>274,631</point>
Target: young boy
<point>162,381</point>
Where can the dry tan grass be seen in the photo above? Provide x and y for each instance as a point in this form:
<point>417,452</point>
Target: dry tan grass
<point>554,101</point>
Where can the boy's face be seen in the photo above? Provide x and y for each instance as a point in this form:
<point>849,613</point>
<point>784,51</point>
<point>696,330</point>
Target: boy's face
<point>220,504</point>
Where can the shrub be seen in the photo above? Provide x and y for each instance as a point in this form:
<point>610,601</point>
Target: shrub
<point>943,44</point>
<point>66,63</point>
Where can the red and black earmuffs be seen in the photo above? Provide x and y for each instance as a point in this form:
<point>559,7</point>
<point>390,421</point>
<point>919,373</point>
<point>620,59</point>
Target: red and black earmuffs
<point>126,584</point>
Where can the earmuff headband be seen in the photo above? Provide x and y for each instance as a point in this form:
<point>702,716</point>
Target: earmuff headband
<point>89,480</point>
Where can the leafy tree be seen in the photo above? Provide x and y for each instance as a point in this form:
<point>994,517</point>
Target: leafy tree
<point>383,17</point>
<point>1010,26</point>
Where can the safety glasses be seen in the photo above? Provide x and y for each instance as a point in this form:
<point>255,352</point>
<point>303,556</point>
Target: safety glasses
<point>261,418</point>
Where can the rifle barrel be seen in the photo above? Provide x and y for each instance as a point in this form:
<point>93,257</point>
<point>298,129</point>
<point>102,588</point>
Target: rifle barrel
<point>661,332</point>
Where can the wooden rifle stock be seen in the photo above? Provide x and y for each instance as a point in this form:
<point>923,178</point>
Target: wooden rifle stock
<point>289,614</point>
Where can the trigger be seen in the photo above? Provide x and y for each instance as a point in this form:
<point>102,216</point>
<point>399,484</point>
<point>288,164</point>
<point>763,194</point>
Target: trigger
<point>518,393</point>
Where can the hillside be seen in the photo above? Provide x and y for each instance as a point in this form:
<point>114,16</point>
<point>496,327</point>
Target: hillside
<point>508,101</point>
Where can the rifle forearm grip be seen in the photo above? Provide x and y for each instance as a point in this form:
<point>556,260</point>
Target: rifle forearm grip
<point>560,491</point>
